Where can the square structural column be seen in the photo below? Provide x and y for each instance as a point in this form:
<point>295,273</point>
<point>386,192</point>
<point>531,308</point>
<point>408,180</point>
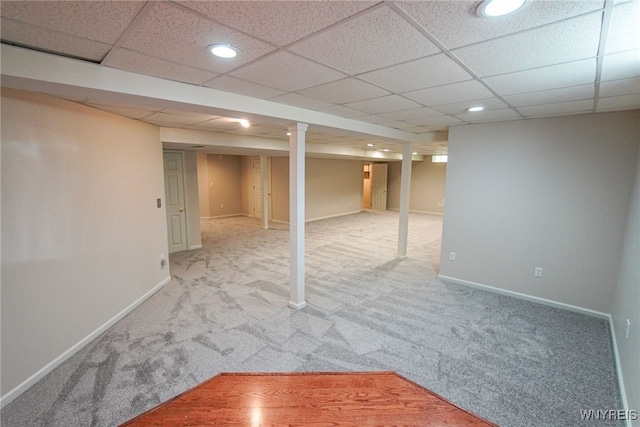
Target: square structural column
<point>264,164</point>
<point>296,213</point>
<point>405,191</point>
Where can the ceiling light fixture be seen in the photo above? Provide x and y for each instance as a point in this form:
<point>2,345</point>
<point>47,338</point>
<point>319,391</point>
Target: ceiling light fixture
<point>369,144</point>
<point>244,123</point>
<point>475,109</point>
<point>386,149</point>
<point>495,8</point>
<point>223,50</point>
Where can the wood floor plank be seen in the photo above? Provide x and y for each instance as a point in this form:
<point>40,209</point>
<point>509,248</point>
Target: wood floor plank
<point>308,399</point>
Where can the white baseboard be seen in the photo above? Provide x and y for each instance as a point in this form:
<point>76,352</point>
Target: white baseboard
<point>526,297</point>
<point>563,306</point>
<point>416,211</point>
<point>333,216</point>
<point>195,247</point>
<point>42,372</point>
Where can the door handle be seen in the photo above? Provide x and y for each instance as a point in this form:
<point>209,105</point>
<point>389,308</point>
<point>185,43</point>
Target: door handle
<point>181,209</point>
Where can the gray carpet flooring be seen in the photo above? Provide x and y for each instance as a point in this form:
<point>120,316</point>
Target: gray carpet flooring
<point>514,362</point>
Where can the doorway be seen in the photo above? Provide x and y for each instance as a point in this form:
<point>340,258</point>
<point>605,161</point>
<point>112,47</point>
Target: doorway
<point>379,186</point>
<point>175,201</point>
<point>258,185</point>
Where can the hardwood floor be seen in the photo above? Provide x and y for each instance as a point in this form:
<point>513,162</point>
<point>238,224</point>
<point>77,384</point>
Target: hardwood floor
<point>308,399</point>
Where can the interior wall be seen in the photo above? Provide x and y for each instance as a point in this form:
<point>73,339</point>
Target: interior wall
<point>332,187</point>
<point>203,184</point>
<point>280,188</point>
<point>427,186</point>
<point>225,193</point>
<point>81,231</point>
<point>626,300</point>
<point>550,193</point>
<point>246,185</point>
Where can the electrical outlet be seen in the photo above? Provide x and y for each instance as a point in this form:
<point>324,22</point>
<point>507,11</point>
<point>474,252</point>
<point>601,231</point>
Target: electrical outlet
<point>626,330</point>
<point>537,272</point>
<point>452,256</point>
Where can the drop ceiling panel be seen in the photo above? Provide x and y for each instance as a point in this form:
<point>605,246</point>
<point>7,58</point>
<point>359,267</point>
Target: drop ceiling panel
<point>135,62</point>
<point>437,120</point>
<point>384,104</point>
<point>455,23</point>
<point>345,91</point>
<point>422,73</point>
<point>459,107</point>
<point>103,21</point>
<point>342,111</point>
<point>620,87</point>
<point>553,96</point>
<point>367,42</point>
<point>301,18</point>
<point>448,94</point>
<point>125,111</point>
<point>552,77</point>
<point>300,101</point>
<point>615,103</point>
<point>414,113</point>
<point>573,107</point>
<point>53,41</point>
<point>169,32</point>
<point>227,83</point>
<point>287,72</point>
<point>624,30</point>
<point>566,41</point>
<point>622,65</point>
<point>488,116</point>
<point>162,118</point>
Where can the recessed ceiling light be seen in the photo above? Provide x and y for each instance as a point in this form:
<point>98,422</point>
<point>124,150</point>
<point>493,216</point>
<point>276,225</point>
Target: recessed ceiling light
<point>414,153</point>
<point>369,144</point>
<point>386,149</point>
<point>494,8</point>
<point>475,109</point>
<point>223,50</point>
<point>244,123</point>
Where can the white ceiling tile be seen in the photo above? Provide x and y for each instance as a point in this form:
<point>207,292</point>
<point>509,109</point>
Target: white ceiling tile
<point>172,33</point>
<point>455,23</point>
<point>398,125</point>
<point>624,29</point>
<point>426,129</point>
<point>217,124</point>
<point>624,102</point>
<point>621,65</point>
<point>231,84</point>
<point>300,101</point>
<point>566,41</point>
<point>384,104</point>
<point>489,116</point>
<point>53,41</point>
<point>447,94</point>
<point>103,21</point>
<point>126,111</point>
<point>620,87</point>
<point>344,91</point>
<point>367,42</point>
<point>414,113</point>
<point>556,109</point>
<point>162,118</point>
<point>422,73</point>
<point>288,72</point>
<point>553,96</point>
<point>301,18</point>
<point>459,107</point>
<point>342,111</point>
<point>135,62</point>
<point>373,118</point>
<point>555,76</point>
<point>434,121</point>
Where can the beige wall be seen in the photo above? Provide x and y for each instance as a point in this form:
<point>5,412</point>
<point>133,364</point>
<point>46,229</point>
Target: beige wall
<point>552,193</point>
<point>203,184</point>
<point>81,233</point>
<point>225,195</point>
<point>333,187</point>
<point>427,186</point>
<point>626,299</point>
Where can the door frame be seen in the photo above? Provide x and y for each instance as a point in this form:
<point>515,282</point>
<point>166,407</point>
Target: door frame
<point>253,188</point>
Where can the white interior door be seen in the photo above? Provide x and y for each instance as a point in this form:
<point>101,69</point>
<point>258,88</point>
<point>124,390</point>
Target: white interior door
<point>257,187</point>
<point>379,186</point>
<point>175,202</point>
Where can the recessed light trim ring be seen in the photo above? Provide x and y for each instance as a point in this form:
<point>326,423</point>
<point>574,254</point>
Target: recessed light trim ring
<point>496,8</point>
<point>223,50</point>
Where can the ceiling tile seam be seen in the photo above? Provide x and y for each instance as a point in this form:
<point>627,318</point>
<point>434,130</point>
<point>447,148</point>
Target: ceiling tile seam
<point>450,54</point>
<point>604,34</point>
<point>130,28</point>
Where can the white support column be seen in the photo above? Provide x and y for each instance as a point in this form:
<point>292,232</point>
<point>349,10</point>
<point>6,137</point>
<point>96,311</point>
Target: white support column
<point>296,213</point>
<point>265,192</point>
<point>405,190</point>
